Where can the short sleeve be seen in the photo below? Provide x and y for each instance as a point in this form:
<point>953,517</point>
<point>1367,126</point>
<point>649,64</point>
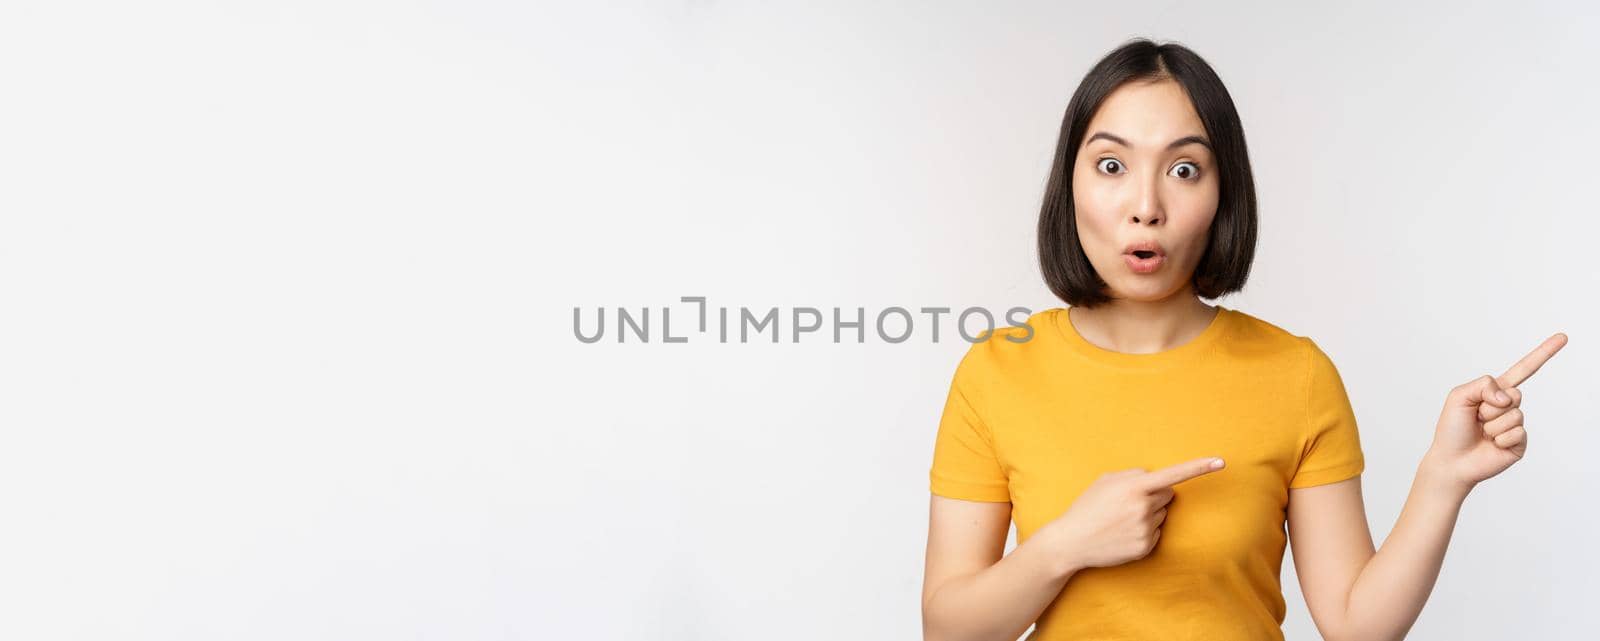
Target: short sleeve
<point>1332,444</point>
<point>965,465</point>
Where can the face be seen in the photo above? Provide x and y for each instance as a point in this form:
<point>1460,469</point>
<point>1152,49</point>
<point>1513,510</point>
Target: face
<point>1145,172</point>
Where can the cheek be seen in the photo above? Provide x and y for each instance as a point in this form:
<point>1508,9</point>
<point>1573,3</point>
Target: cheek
<point>1195,210</point>
<point>1095,219</point>
<point>1096,205</point>
<point>1192,217</point>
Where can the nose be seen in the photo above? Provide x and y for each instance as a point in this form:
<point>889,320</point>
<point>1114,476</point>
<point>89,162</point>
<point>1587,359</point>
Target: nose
<point>1147,209</point>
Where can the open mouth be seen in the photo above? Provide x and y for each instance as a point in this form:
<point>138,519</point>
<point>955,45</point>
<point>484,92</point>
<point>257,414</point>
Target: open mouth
<point>1141,253</point>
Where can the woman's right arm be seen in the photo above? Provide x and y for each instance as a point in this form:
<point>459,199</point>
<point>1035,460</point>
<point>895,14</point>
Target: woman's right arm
<point>970,593</point>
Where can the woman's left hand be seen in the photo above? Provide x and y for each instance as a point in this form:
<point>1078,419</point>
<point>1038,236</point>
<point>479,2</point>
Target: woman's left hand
<point>1480,431</point>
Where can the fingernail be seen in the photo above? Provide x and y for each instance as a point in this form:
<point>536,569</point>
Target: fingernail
<point>1501,396</point>
<point>1216,464</point>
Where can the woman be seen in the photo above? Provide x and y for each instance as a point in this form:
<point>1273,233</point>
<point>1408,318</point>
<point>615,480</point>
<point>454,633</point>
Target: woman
<point>1151,447</point>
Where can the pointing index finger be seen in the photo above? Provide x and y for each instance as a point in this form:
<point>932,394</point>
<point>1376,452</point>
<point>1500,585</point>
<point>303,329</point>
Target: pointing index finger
<point>1533,361</point>
<point>1173,475</point>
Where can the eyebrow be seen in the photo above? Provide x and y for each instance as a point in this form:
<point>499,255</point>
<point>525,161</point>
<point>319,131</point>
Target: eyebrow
<point>1186,140</point>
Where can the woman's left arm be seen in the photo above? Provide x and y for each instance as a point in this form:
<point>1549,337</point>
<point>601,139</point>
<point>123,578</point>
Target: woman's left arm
<point>1354,592</point>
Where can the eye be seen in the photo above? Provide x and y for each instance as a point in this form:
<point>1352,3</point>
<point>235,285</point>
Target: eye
<point>1110,165</point>
<point>1185,170</point>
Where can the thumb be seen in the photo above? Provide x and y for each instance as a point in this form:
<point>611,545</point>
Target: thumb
<point>1483,389</point>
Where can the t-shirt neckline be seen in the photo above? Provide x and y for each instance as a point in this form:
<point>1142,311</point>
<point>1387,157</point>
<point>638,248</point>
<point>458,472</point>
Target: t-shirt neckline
<point>1157,360</point>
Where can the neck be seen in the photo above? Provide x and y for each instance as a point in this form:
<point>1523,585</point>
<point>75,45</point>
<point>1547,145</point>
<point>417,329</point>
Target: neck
<point>1144,326</point>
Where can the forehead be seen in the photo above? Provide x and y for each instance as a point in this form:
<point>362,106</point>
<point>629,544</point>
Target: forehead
<point>1147,114</point>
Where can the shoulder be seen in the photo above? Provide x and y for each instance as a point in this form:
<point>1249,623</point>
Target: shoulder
<point>1255,338</point>
<point>1285,350</point>
<point>1019,341</point>
<point>1253,330</point>
<point>1011,350</point>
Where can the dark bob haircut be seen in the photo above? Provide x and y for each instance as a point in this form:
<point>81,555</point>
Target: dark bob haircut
<point>1225,265</point>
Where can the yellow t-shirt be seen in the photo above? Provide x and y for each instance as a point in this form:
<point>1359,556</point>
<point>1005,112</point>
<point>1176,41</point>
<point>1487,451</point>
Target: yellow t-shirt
<point>1035,422</point>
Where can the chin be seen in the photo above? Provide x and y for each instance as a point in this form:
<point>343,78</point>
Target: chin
<point>1143,290</point>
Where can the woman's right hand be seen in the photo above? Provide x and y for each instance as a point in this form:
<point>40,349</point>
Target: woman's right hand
<point>1118,518</point>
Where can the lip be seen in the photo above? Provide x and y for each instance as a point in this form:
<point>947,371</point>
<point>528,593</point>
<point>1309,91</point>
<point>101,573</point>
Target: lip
<point>1144,265</point>
<point>1144,245</point>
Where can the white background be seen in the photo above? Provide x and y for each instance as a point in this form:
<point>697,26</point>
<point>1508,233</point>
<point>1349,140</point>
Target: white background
<point>286,295</point>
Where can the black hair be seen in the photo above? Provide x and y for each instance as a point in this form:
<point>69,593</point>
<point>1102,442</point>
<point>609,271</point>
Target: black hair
<point>1230,248</point>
